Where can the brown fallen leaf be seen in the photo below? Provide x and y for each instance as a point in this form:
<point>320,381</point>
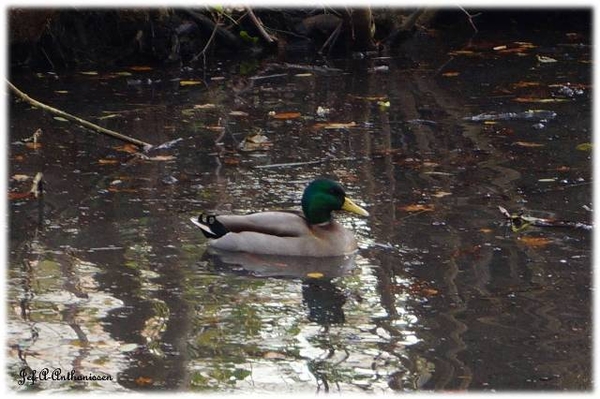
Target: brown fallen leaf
<point>128,148</point>
<point>107,161</point>
<point>160,158</point>
<point>334,125</point>
<point>143,381</point>
<point>418,208</point>
<point>33,145</point>
<point>535,242</point>
<point>15,196</point>
<point>287,115</point>
<point>140,68</point>
<point>485,230</point>
<point>524,84</point>
<point>114,189</point>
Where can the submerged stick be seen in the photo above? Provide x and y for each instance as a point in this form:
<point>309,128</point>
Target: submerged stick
<point>74,118</point>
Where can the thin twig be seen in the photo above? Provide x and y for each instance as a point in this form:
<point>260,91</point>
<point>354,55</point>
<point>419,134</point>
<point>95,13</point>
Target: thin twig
<point>210,39</point>
<point>89,125</point>
<point>470,17</point>
<point>259,26</point>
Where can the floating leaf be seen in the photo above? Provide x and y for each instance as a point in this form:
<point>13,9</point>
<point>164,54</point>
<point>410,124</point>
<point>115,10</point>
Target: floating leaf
<point>334,125</point>
<point>143,381</point>
<point>450,74</point>
<point>33,145</point>
<point>441,194</point>
<point>287,115</point>
<point>61,91</point>
<point>418,208</point>
<point>107,161</point>
<point>547,180</point>
<point>113,189</point>
<point>89,73</point>
<point>15,196</point>
<point>524,84</point>
<point>140,68</point>
<point>61,119</point>
<point>502,47</point>
<point>383,104</point>
<point>429,292</point>
<point>238,113</point>
<point>528,144</point>
<point>19,177</point>
<point>315,275</point>
<point>160,158</point>
<point>485,230</point>
<point>205,106</point>
<point>535,242</point>
<point>584,147</point>
<point>128,148</point>
<point>545,60</point>
<point>190,83</point>
<point>303,75</point>
<point>371,98</point>
<point>123,73</point>
<point>461,52</point>
<point>540,100</point>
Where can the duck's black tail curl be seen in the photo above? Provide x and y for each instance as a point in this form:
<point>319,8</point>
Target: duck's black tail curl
<point>210,226</point>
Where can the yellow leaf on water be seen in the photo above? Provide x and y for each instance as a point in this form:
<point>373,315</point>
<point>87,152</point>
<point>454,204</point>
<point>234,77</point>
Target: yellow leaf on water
<point>189,82</point>
<point>528,144</point>
<point>315,275</point>
<point>584,147</point>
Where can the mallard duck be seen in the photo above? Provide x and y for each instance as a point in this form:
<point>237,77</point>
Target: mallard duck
<point>313,233</point>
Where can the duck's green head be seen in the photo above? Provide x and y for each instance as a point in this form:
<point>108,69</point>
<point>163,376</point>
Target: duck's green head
<point>322,196</point>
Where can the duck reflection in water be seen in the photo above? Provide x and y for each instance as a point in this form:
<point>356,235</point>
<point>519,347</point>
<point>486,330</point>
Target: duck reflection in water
<point>323,299</point>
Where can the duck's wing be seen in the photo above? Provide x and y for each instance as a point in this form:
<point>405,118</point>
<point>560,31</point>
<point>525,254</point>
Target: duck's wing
<point>279,224</point>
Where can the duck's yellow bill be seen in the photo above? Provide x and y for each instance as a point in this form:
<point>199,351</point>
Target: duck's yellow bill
<point>350,206</point>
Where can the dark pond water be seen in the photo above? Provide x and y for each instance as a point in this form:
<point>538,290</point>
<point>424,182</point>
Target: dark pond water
<point>107,276</point>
